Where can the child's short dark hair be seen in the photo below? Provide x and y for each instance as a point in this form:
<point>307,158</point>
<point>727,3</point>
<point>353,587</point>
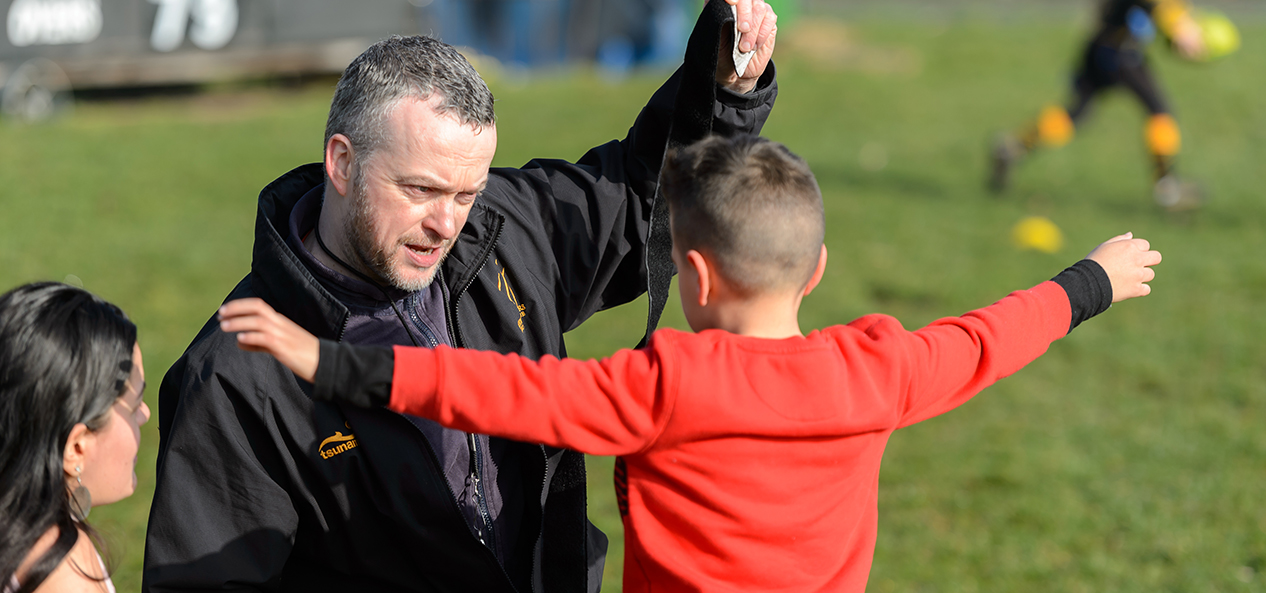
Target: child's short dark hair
<point>752,205</point>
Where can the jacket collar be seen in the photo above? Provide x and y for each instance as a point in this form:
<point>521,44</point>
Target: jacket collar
<point>473,246</point>
<point>277,274</point>
<point>281,279</point>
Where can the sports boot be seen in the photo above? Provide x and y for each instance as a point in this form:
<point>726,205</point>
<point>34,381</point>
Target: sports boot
<point>1177,195</point>
<point>1006,152</point>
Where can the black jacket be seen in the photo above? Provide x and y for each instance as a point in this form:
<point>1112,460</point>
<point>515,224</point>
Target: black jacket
<point>260,488</point>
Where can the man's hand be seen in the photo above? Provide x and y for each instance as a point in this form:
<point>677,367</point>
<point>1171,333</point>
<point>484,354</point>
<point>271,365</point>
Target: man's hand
<point>261,329</point>
<point>1127,261</point>
<point>758,28</point>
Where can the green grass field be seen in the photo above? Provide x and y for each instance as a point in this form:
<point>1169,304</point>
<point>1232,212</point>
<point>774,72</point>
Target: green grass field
<point>1131,458</point>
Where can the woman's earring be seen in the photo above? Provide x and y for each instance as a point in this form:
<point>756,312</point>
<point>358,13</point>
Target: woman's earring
<point>80,499</point>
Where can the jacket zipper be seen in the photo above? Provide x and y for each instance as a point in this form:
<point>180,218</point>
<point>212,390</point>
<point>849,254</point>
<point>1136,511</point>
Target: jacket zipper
<point>481,501</point>
<point>411,304</point>
<point>343,329</point>
<point>454,326</point>
<point>431,451</point>
<point>540,532</point>
<point>476,456</point>
<point>454,330</point>
<point>476,460</point>
<point>453,495</point>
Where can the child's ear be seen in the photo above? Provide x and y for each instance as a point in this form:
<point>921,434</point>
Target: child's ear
<point>702,275</point>
<point>817,273</point>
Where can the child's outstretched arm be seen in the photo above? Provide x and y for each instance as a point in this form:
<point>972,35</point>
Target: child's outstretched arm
<point>952,359</point>
<point>611,407</point>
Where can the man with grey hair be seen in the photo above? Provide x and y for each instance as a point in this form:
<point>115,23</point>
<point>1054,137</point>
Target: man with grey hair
<point>405,235</point>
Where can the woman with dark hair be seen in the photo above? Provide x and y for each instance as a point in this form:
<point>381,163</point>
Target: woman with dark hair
<point>71,408</point>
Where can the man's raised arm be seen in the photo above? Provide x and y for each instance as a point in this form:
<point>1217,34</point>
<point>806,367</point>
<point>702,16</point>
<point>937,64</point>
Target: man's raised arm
<point>590,218</point>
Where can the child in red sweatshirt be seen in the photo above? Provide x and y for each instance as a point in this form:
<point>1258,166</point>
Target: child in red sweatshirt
<point>749,452</point>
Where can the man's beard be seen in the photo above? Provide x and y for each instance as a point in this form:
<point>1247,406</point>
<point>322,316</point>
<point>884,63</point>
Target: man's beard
<point>371,257</point>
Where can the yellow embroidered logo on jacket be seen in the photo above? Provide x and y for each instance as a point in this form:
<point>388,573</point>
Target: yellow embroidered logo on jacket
<point>503,286</point>
<point>339,443</point>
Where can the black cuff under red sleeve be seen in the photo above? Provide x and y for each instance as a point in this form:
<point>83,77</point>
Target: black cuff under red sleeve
<point>1089,290</point>
<point>356,375</point>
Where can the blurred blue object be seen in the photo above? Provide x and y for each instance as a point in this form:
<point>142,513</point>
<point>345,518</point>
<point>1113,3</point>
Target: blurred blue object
<point>616,56</point>
<point>456,21</point>
<point>1140,24</point>
<point>670,32</point>
<point>618,34</point>
<point>519,33</point>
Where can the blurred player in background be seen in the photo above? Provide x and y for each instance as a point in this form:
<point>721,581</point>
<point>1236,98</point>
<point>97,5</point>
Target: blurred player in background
<point>1116,55</point>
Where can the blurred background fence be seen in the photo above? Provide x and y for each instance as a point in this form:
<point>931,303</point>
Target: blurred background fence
<point>53,47</point>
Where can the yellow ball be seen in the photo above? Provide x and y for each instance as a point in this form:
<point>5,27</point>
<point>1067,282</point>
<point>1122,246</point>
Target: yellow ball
<point>1037,233</point>
<point>1221,38</point>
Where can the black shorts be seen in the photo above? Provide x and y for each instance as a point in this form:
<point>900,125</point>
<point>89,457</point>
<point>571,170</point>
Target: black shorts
<point>1107,65</point>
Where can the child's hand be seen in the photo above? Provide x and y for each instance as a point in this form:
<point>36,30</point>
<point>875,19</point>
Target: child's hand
<point>1189,40</point>
<point>1127,261</point>
<point>262,329</point>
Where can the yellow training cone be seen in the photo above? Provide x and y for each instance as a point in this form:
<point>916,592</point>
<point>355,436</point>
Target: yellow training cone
<point>1037,233</point>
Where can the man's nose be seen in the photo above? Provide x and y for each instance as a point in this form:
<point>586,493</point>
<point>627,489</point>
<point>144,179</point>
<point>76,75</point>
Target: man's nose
<point>442,220</point>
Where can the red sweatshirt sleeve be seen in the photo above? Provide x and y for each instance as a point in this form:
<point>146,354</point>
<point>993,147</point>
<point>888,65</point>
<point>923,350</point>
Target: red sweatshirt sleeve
<point>615,406</point>
<point>946,363</point>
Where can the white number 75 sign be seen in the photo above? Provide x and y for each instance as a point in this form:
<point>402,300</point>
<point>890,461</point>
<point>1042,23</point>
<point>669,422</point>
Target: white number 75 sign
<point>214,23</point>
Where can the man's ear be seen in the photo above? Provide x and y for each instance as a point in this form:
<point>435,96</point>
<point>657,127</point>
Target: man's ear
<point>703,273</point>
<point>77,445</point>
<point>817,272</point>
<point>339,156</point>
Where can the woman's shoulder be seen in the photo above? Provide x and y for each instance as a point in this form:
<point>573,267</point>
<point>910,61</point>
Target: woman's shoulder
<point>81,571</point>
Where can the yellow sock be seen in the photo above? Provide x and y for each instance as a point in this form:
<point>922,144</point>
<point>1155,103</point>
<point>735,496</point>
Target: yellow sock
<point>1054,127</point>
<point>1163,137</point>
